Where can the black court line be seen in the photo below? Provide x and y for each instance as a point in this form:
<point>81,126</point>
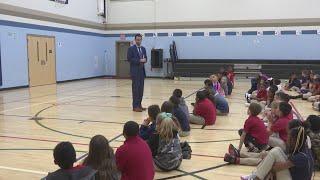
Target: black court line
<point>195,172</point>
<point>58,131</point>
<point>193,175</point>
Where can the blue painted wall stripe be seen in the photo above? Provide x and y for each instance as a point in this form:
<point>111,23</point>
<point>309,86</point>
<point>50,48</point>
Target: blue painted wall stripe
<point>214,33</point>
<point>269,32</point>
<point>180,34</point>
<point>309,32</point>
<point>291,32</point>
<point>148,34</point>
<point>163,34</point>
<point>197,33</point>
<point>246,33</point>
<point>112,35</point>
<point>231,33</point>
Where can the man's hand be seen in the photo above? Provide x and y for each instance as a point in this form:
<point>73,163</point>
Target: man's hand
<point>143,60</point>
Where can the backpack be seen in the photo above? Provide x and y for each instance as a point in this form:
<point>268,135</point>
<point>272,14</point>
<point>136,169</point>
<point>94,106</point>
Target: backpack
<point>186,150</point>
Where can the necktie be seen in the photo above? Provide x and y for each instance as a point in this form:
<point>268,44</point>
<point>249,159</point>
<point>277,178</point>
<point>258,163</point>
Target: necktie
<point>140,52</point>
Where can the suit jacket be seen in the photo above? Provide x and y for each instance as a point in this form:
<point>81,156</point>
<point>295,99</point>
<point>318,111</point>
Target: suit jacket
<point>136,68</point>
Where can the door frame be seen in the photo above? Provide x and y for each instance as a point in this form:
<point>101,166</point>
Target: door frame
<point>117,56</point>
<point>55,59</point>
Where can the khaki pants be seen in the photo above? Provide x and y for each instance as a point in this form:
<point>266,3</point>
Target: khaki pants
<point>277,142</point>
<point>275,155</point>
<point>251,158</point>
<point>197,120</point>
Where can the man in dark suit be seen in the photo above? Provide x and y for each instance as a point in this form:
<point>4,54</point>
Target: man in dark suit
<point>137,56</point>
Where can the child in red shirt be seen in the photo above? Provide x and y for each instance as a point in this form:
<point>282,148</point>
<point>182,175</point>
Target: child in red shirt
<point>134,157</point>
<point>204,112</point>
<point>254,134</point>
<point>230,74</point>
<point>278,128</point>
<point>262,94</point>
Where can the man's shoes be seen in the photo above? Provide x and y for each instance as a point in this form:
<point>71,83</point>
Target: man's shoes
<point>137,109</point>
<point>143,109</point>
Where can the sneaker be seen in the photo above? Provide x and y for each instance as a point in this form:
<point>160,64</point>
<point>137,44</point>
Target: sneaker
<point>229,158</point>
<point>248,177</point>
<point>233,151</point>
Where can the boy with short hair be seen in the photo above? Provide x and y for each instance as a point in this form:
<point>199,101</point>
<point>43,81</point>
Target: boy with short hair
<point>65,156</point>
<point>134,159</point>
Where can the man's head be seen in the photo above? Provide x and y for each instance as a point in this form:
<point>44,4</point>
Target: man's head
<point>138,39</point>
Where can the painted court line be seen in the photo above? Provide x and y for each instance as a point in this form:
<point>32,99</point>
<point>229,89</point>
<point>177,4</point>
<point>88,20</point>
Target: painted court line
<point>23,170</point>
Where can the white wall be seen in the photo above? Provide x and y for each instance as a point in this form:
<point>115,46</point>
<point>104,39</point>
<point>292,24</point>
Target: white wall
<point>210,10</point>
<point>80,9</point>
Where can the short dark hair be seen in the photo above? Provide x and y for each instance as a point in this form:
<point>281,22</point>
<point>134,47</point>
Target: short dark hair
<point>177,93</point>
<point>175,100</point>
<point>153,111</point>
<point>273,88</point>
<point>208,82</point>
<point>283,96</point>
<point>285,108</point>
<point>167,107</point>
<point>131,129</point>
<point>314,121</point>
<point>201,95</point>
<point>276,81</point>
<point>255,109</point>
<point>64,155</point>
<point>137,35</point>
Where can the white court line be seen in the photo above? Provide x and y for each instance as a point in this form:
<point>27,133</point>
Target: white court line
<point>68,97</point>
<point>23,170</point>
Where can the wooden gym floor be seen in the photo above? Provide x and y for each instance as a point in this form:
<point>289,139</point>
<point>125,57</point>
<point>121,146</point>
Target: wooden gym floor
<point>76,111</point>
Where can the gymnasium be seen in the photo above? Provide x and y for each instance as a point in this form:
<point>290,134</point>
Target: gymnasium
<point>159,89</point>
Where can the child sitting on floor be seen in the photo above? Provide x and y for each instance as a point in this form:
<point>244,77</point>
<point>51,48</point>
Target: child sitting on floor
<point>220,102</point>
<point>147,130</point>
<point>204,112</point>
<point>277,129</point>
<point>216,85</point>
<point>231,75</point>
<point>65,156</point>
<point>296,165</point>
<point>165,144</point>
<point>178,93</point>
<point>181,117</point>
<point>314,134</point>
<point>294,83</point>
